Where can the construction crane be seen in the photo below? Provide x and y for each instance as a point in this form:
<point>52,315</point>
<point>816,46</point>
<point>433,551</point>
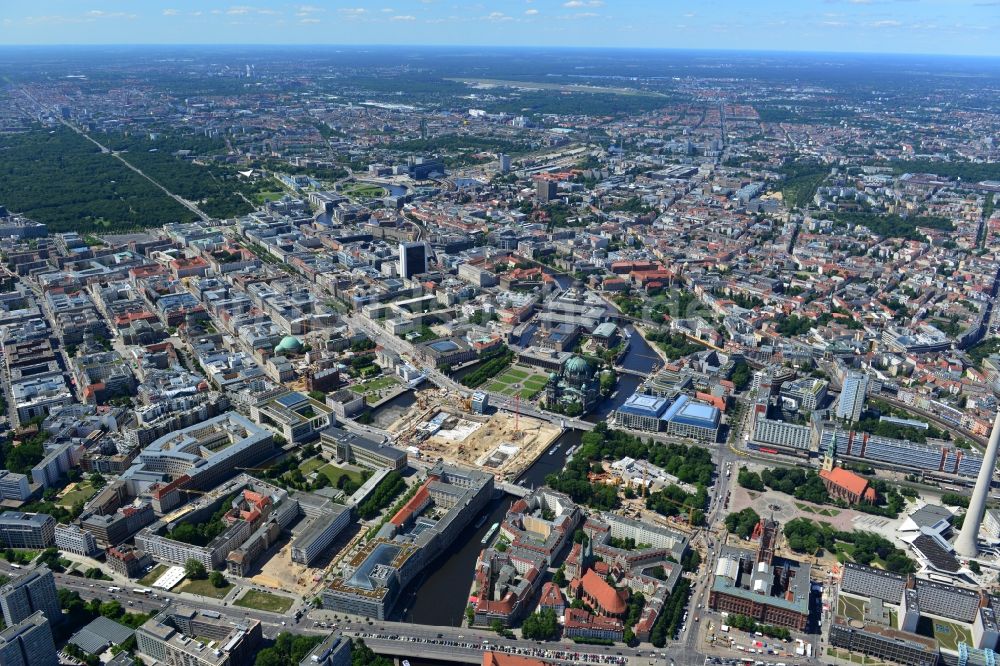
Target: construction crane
<point>517,414</point>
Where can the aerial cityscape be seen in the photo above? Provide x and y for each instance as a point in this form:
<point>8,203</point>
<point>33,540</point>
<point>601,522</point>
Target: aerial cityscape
<point>478,347</point>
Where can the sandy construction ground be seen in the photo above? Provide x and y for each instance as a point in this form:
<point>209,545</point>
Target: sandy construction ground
<point>495,445</point>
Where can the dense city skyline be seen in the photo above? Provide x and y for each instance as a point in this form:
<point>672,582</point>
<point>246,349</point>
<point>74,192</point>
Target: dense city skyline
<point>960,27</point>
<point>545,333</point>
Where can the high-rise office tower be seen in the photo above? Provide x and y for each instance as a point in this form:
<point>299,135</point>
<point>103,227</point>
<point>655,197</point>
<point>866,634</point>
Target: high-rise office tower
<point>28,643</point>
<point>29,593</point>
<point>852,396</point>
<point>967,543</point>
<point>545,190</point>
<point>412,259</point>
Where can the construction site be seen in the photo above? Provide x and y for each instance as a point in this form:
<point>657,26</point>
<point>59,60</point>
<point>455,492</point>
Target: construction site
<point>440,425</point>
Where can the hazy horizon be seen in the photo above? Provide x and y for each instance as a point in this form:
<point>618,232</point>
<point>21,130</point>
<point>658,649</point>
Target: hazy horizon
<point>904,27</point>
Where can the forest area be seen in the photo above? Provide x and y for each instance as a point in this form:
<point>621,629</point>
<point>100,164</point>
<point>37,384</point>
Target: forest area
<point>63,180</point>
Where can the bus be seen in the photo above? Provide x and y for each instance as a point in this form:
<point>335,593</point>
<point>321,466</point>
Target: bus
<point>142,590</point>
<point>114,589</point>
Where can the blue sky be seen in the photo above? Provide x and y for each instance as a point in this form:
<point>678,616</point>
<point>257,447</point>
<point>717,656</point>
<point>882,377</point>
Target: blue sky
<point>893,26</point>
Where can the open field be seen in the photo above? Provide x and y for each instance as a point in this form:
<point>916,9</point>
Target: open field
<point>78,492</point>
<point>335,473</point>
<point>518,380</point>
<point>269,195</point>
<point>264,601</point>
<point>561,87</point>
<point>204,588</point>
<point>372,387</point>
<point>363,191</point>
<point>153,575</point>
<point>332,472</point>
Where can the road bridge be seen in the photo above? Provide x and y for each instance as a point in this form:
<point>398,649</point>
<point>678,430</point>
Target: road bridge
<point>513,489</point>
<point>629,371</point>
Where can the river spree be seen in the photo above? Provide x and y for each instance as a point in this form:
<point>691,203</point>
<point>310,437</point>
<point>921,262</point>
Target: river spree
<point>440,595</point>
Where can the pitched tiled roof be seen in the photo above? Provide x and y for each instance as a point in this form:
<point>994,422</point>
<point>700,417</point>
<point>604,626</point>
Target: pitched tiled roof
<point>607,597</point>
<point>846,479</point>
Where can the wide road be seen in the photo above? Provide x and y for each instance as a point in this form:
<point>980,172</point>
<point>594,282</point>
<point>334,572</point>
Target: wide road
<point>405,349</point>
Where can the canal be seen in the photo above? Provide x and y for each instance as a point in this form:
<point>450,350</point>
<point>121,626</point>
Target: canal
<point>439,596</point>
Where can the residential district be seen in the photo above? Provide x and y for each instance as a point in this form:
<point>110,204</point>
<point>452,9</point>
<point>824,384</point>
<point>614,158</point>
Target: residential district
<point>297,369</point>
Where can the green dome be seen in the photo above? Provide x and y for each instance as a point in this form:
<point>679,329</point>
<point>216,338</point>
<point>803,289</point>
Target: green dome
<point>553,376</point>
<point>577,365</point>
<point>289,344</point>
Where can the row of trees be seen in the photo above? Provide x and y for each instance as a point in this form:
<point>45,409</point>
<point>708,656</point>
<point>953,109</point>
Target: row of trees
<point>289,648</point>
<point>802,484</point>
<point>674,345</point>
<point>807,485</point>
<point>671,615</point>
<point>748,624</point>
<point>489,368</point>
<point>541,626</point>
<point>200,534</point>
<point>690,464</point>
<point>806,536</point>
<point>386,491</point>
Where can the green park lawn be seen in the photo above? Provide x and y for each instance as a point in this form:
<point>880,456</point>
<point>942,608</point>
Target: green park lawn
<point>264,601</point>
<point>82,492</point>
<point>269,195</point>
<point>948,634</point>
<point>332,472</point>
<point>517,380</point>
<point>153,575</point>
<point>374,385</point>
<point>204,588</point>
<point>364,191</point>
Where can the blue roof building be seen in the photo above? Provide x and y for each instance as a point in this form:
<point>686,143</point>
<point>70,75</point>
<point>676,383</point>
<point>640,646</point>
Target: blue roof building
<point>690,418</point>
<point>642,412</point>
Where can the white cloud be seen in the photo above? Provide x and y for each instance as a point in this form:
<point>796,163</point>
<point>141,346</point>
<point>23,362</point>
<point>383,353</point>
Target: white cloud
<point>352,11</point>
<point>170,12</point>
<point>387,10</point>
<point>576,4</point>
<point>886,24</point>
<point>97,13</point>
<point>309,20</point>
<point>531,12</point>
<point>239,10</point>
<point>497,16</point>
<point>403,17</point>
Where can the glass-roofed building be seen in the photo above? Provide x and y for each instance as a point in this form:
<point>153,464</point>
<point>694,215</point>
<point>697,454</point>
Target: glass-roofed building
<point>642,412</point>
<point>691,418</point>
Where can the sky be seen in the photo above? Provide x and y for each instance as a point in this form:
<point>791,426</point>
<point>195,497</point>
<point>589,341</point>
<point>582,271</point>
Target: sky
<point>960,27</point>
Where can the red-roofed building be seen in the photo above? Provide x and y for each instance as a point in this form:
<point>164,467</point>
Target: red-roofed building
<point>582,624</point>
<point>188,267</point>
<point>552,597</point>
<point>848,486</point>
<point>417,503</point>
<point>600,595</point>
